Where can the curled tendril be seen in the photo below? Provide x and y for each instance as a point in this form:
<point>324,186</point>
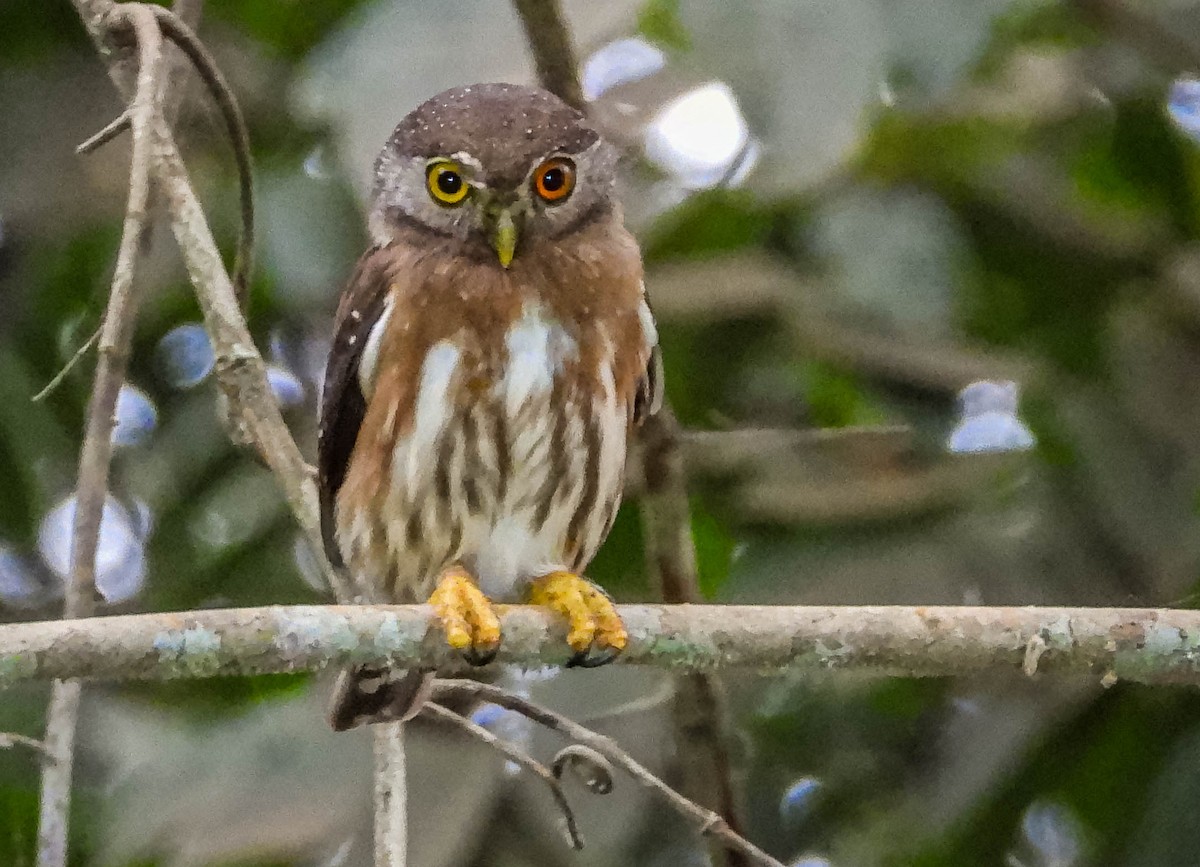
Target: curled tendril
<point>588,766</point>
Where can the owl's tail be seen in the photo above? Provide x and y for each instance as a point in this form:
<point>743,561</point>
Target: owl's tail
<point>372,694</point>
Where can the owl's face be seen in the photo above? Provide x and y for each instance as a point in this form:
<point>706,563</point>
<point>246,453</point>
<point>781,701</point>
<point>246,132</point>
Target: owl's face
<point>496,167</point>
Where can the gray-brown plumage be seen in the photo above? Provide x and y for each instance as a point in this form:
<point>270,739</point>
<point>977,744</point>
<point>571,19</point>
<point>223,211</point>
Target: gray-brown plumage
<point>492,351</point>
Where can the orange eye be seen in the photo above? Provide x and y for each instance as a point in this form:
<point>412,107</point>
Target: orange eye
<point>554,179</point>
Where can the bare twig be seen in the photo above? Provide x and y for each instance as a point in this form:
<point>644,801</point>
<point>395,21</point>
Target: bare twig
<point>62,715</point>
<point>706,822</point>
<point>1145,645</point>
<point>552,48</point>
<point>96,454</point>
<point>8,740</point>
<point>699,712</point>
<point>252,408</point>
<point>241,372</point>
<point>110,131</point>
<point>240,369</point>
<point>62,374</point>
<point>391,796</point>
<point>173,89</point>
<point>176,30</point>
<point>570,826</point>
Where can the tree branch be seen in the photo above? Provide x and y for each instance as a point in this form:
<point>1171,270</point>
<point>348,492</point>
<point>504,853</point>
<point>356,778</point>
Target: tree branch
<point>515,754</point>
<point>707,822</point>
<point>552,49</point>
<point>8,740</point>
<point>1146,645</point>
<point>95,456</point>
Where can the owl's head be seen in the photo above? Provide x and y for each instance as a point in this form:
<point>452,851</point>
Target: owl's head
<point>494,166</point>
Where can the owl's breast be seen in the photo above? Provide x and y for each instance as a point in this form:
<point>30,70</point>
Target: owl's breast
<point>509,459</point>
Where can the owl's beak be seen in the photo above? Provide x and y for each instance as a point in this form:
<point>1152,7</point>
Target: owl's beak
<point>504,237</point>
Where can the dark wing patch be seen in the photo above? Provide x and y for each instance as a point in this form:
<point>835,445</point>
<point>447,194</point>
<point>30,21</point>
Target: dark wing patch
<point>649,398</point>
<point>342,403</point>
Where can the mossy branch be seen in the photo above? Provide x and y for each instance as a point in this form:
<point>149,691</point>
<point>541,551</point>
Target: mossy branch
<point>1138,644</point>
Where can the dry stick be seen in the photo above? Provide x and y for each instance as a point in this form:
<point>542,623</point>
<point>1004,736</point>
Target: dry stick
<point>391,795</point>
<point>240,369</point>
<point>9,740</point>
<point>1142,645</point>
<point>182,36</point>
<point>570,826</point>
<point>706,822</point>
<point>553,52</point>
<point>66,369</point>
<point>242,376</point>
<point>95,456</point>
<point>107,133</point>
<point>700,714</point>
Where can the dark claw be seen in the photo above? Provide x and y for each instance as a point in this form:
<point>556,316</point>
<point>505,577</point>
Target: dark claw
<point>476,658</point>
<point>585,659</point>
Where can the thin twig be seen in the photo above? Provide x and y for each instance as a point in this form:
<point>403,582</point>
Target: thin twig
<point>110,131</point>
<point>173,89</point>
<point>176,30</point>
<point>62,374</point>
<point>570,826</point>
<point>96,454</point>
<point>391,796</point>
<point>706,822</point>
<point>241,371</point>
<point>553,51</point>
<point>62,715</point>
<point>8,740</point>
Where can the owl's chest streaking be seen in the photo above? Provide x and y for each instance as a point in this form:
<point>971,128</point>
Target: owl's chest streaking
<point>494,435</point>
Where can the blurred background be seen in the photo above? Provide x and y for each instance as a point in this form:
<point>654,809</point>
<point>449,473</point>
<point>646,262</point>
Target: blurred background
<point>851,211</point>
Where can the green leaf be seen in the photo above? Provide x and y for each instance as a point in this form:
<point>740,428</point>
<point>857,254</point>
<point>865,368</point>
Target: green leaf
<point>659,22</point>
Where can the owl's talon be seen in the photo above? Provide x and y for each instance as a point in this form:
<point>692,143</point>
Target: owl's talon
<point>595,631</point>
<point>587,659</point>
<point>478,658</point>
<point>467,617</point>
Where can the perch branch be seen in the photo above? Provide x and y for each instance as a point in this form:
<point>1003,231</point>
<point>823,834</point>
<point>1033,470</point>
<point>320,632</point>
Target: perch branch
<point>707,822</point>
<point>553,51</point>
<point>570,826</point>
<point>1146,645</point>
<point>95,457</point>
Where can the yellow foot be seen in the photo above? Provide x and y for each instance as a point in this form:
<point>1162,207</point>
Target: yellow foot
<point>592,618</point>
<point>467,617</point>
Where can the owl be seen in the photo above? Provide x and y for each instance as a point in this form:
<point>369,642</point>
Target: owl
<point>493,353</point>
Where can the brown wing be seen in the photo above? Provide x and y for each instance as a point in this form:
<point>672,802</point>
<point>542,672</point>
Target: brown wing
<point>649,397</point>
<point>342,401</point>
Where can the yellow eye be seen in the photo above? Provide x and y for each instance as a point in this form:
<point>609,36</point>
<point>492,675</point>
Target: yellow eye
<point>554,179</point>
<point>446,183</point>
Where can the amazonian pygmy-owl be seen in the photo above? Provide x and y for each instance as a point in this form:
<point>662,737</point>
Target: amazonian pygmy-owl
<point>493,352</point>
